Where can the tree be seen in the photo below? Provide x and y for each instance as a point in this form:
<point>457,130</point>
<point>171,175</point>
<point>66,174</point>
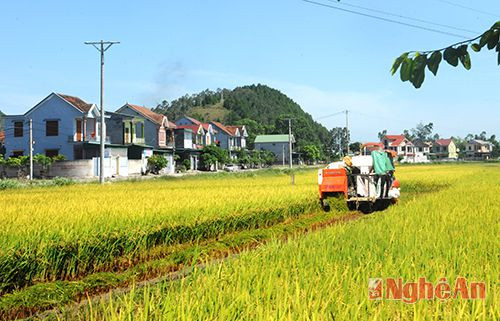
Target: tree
<point>211,155</point>
<point>267,157</point>
<point>243,157</point>
<point>412,64</point>
<point>311,153</point>
<point>156,163</point>
<point>382,134</point>
<point>355,147</point>
<point>339,138</point>
<point>162,108</point>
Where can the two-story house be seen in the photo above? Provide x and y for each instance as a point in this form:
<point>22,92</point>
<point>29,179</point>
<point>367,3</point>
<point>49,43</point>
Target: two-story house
<point>444,148</point>
<point>400,144</point>
<point>189,143</point>
<point>156,131</point>
<point>478,149</point>
<point>224,138</point>
<point>209,133</point>
<point>422,146</point>
<point>61,125</point>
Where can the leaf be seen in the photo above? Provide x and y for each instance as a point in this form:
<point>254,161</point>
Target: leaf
<point>398,62</point>
<point>465,60</point>
<point>406,67</point>
<point>434,61</point>
<point>485,38</point>
<point>418,71</point>
<point>493,40</point>
<point>499,58</point>
<point>462,50</point>
<point>451,57</point>
<point>475,47</point>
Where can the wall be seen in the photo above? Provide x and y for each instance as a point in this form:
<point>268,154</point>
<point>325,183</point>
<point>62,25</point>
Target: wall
<point>277,149</point>
<point>83,168</point>
<point>134,166</point>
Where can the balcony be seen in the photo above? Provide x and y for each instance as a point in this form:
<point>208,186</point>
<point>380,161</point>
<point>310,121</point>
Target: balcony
<point>88,139</point>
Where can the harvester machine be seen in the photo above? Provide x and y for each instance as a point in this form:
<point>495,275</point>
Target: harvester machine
<point>355,181</point>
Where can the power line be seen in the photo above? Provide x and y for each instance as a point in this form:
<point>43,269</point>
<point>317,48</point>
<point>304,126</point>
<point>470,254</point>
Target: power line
<point>387,20</point>
<point>467,8</point>
<point>331,115</point>
<point>404,17</point>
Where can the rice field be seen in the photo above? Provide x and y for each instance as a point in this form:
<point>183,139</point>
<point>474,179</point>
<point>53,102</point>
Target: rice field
<point>447,231</point>
<point>63,233</point>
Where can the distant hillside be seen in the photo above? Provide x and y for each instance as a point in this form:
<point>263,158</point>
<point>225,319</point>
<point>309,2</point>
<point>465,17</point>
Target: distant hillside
<point>262,109</point>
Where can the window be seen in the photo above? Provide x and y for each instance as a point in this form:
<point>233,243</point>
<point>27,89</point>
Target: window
<point>51,128</point>
<point>51,152</point>
<point>139,130</point>
<point>17,153</point>
<point>18,129</point>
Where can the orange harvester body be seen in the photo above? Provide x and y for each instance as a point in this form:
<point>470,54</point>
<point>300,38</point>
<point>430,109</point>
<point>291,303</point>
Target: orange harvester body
<point>334,181</point>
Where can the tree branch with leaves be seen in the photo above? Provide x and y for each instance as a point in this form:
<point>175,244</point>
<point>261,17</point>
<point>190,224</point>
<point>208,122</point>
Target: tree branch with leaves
<point>412,64</point>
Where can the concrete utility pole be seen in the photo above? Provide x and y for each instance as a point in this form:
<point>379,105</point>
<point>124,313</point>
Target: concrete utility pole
<point>347,129</point>
<point>290,140</point>
<point>292,175</point>
<point>31,149</point>
<point>102,46</point>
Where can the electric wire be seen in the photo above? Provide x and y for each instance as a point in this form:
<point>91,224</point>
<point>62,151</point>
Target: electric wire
<point>387,19</point>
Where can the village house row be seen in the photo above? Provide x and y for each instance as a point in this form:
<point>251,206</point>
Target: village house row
<point>420,151</point>
<point>67,125</point>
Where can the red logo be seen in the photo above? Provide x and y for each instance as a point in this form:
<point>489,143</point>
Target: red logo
<point>410,292</point>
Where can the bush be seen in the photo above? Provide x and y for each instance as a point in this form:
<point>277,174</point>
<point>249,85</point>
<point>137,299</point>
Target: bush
<point>156,163</point>
<point>9,183</point>
<point>186,165</point>
<point>62,181</point>
<point>59,158</point>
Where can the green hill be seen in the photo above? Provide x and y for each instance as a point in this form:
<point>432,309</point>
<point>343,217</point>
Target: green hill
<point>262,109</point>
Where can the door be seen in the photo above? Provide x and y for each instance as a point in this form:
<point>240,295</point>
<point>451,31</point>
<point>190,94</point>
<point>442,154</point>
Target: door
<point>79,130</point>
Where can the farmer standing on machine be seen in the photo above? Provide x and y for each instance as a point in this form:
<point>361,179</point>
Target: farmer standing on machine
<point>384,169</point>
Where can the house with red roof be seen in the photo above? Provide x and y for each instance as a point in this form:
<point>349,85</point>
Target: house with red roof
<point>400,144</point>
<point>368,147</point>
<point>224,137</point>
<point>209,133</point>
<point>155,135</point>
<point>444,149</point>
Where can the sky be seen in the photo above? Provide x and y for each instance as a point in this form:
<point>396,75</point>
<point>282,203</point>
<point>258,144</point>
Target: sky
<point>325,59</point>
